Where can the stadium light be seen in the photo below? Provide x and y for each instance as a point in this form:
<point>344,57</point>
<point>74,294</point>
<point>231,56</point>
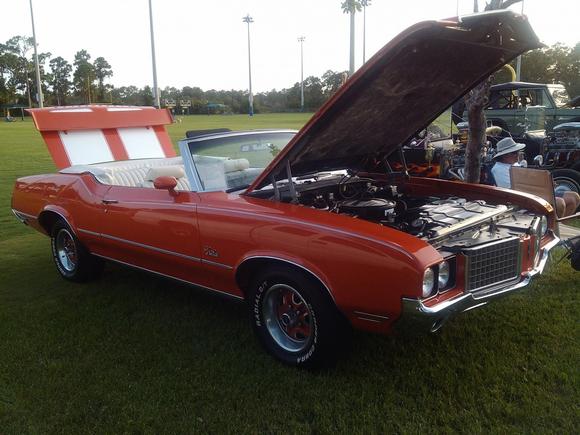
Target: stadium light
<point>301,40</point>
<point>38,83</point>
<point>247,19</point>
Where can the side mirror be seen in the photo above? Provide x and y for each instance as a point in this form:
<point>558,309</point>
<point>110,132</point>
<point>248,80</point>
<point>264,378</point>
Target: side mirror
<point>165,183</point>
<point>538,160</point>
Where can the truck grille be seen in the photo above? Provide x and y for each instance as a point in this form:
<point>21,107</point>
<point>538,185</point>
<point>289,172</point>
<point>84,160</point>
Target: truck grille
<point>492,263</point>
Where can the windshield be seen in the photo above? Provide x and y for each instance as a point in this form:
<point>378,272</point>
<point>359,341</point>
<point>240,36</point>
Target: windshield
<point>559,95</point>
<point>233,161</point>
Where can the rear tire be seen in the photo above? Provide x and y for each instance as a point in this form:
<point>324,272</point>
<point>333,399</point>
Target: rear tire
<point>73,261</point>
<point>294,319</point>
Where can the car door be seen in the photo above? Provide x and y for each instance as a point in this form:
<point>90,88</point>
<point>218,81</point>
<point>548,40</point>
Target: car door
<point>153,229</point>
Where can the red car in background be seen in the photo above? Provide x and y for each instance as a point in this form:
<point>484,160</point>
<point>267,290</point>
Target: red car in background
<point>317,231</point>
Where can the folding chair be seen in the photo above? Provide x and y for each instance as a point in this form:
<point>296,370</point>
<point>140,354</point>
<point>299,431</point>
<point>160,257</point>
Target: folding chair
<point>538,182</point>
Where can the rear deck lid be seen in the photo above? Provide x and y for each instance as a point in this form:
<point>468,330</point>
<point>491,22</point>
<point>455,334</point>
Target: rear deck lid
<point>81,135</point>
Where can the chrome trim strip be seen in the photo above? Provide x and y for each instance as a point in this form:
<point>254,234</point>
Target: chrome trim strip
<point>215,263</point>
<point>369,320</point>
<point>170,277</point>
<point>416,312</point>
<point>374,316</point>
<point>152,248</point>
<point>21,216</point>
<point>236,133</point>
<point>90,233</point>
<point>141,245</point>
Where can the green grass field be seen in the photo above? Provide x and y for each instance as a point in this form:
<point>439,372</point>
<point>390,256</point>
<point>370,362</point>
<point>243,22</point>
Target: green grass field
<point>132,353</point>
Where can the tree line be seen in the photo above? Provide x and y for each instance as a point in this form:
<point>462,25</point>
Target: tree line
<point>87,81</point>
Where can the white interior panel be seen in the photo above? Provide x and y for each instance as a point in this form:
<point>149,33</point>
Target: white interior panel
<point>141,142</point>
<point>86,146</point>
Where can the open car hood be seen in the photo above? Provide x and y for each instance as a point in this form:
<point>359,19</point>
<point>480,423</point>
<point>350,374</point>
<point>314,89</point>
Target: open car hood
<point>400,90</point>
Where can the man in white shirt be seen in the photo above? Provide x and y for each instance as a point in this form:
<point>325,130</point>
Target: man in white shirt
<point>506,155</point>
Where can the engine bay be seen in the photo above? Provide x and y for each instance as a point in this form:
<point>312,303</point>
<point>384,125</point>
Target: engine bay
<point>449,222</point>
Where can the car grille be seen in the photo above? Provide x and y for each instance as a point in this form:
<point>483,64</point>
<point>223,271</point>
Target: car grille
<point>492,263</point>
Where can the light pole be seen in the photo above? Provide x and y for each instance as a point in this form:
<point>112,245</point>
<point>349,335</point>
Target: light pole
<point>153,61</point>
<point>364,4</point>
<point>351,61</point>
<point>301,40</point>
<point>247,19</point>
<point>38,84</point>
<point>519,58</point>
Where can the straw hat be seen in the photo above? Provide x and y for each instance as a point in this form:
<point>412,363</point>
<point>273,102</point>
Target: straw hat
<point>507,146</point>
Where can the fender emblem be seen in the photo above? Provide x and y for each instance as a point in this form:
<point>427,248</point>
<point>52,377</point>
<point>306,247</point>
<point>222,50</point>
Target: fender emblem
<point>210,252</point>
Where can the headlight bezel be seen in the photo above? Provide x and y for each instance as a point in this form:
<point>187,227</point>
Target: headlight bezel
<point>436,286</point>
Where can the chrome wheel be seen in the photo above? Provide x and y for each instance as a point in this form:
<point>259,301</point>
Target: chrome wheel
<point>565,184</point>
<point>66,250</point>
<point>287,317</point>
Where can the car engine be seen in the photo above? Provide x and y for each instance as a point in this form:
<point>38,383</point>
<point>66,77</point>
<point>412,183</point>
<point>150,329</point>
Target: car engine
<point>452,222</point>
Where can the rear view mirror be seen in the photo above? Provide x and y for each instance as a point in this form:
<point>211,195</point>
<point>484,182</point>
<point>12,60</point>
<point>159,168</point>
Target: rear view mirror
<point>165,183</point>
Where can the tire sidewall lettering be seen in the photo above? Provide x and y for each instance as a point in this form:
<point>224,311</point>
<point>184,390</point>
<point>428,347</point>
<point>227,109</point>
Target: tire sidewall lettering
<point>59,266</point>
<point>312,348</point>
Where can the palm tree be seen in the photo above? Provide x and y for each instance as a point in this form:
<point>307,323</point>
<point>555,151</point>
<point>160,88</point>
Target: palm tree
<point>351,7</point>
<point>364,4</point>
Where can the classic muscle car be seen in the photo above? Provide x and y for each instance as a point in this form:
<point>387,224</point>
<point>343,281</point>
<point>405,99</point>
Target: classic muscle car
<point>318,231</point>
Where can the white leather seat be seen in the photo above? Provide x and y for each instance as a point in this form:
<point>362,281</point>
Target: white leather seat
<point>175,171</point>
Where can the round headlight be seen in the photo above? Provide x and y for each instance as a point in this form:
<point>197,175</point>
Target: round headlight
<point>443,274</point>
<point>428,282</point>
<point>543,225</point>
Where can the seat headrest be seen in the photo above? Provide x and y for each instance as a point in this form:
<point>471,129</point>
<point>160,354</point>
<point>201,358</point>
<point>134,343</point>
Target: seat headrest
<point>164,171</point>
<point>236,165</point>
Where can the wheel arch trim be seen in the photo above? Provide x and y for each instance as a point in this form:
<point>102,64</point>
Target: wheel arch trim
<point>287,261</point>
<point>60,213</point>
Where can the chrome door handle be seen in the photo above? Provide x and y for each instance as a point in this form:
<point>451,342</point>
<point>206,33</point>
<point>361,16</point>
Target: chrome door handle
<point>109,201</point>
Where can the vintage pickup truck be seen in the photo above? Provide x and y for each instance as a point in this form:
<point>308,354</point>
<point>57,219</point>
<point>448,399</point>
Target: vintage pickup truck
<point>519,107</point>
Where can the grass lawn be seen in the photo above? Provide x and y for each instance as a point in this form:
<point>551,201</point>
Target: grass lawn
<point>136,354</point>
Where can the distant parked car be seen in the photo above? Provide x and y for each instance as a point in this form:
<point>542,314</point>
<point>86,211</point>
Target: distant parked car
<point>561,155</point>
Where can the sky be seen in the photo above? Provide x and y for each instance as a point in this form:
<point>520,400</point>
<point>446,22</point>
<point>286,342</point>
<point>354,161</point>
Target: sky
<point>204,43</point>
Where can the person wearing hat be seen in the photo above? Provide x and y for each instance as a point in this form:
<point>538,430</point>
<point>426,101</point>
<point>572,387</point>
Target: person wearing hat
<point>507,155</point>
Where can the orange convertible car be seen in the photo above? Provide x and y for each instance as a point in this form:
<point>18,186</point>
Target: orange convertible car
<point>315,230</point>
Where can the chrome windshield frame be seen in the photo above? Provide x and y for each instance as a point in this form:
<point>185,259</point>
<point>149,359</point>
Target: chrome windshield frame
<point>190,169</point>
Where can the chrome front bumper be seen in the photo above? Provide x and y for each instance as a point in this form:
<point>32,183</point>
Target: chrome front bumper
<point>415,315</point>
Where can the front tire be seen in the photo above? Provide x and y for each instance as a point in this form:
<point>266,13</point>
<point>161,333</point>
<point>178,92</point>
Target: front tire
<point>294,319</point>
<point>566,180</point>
<point>73,261</point>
